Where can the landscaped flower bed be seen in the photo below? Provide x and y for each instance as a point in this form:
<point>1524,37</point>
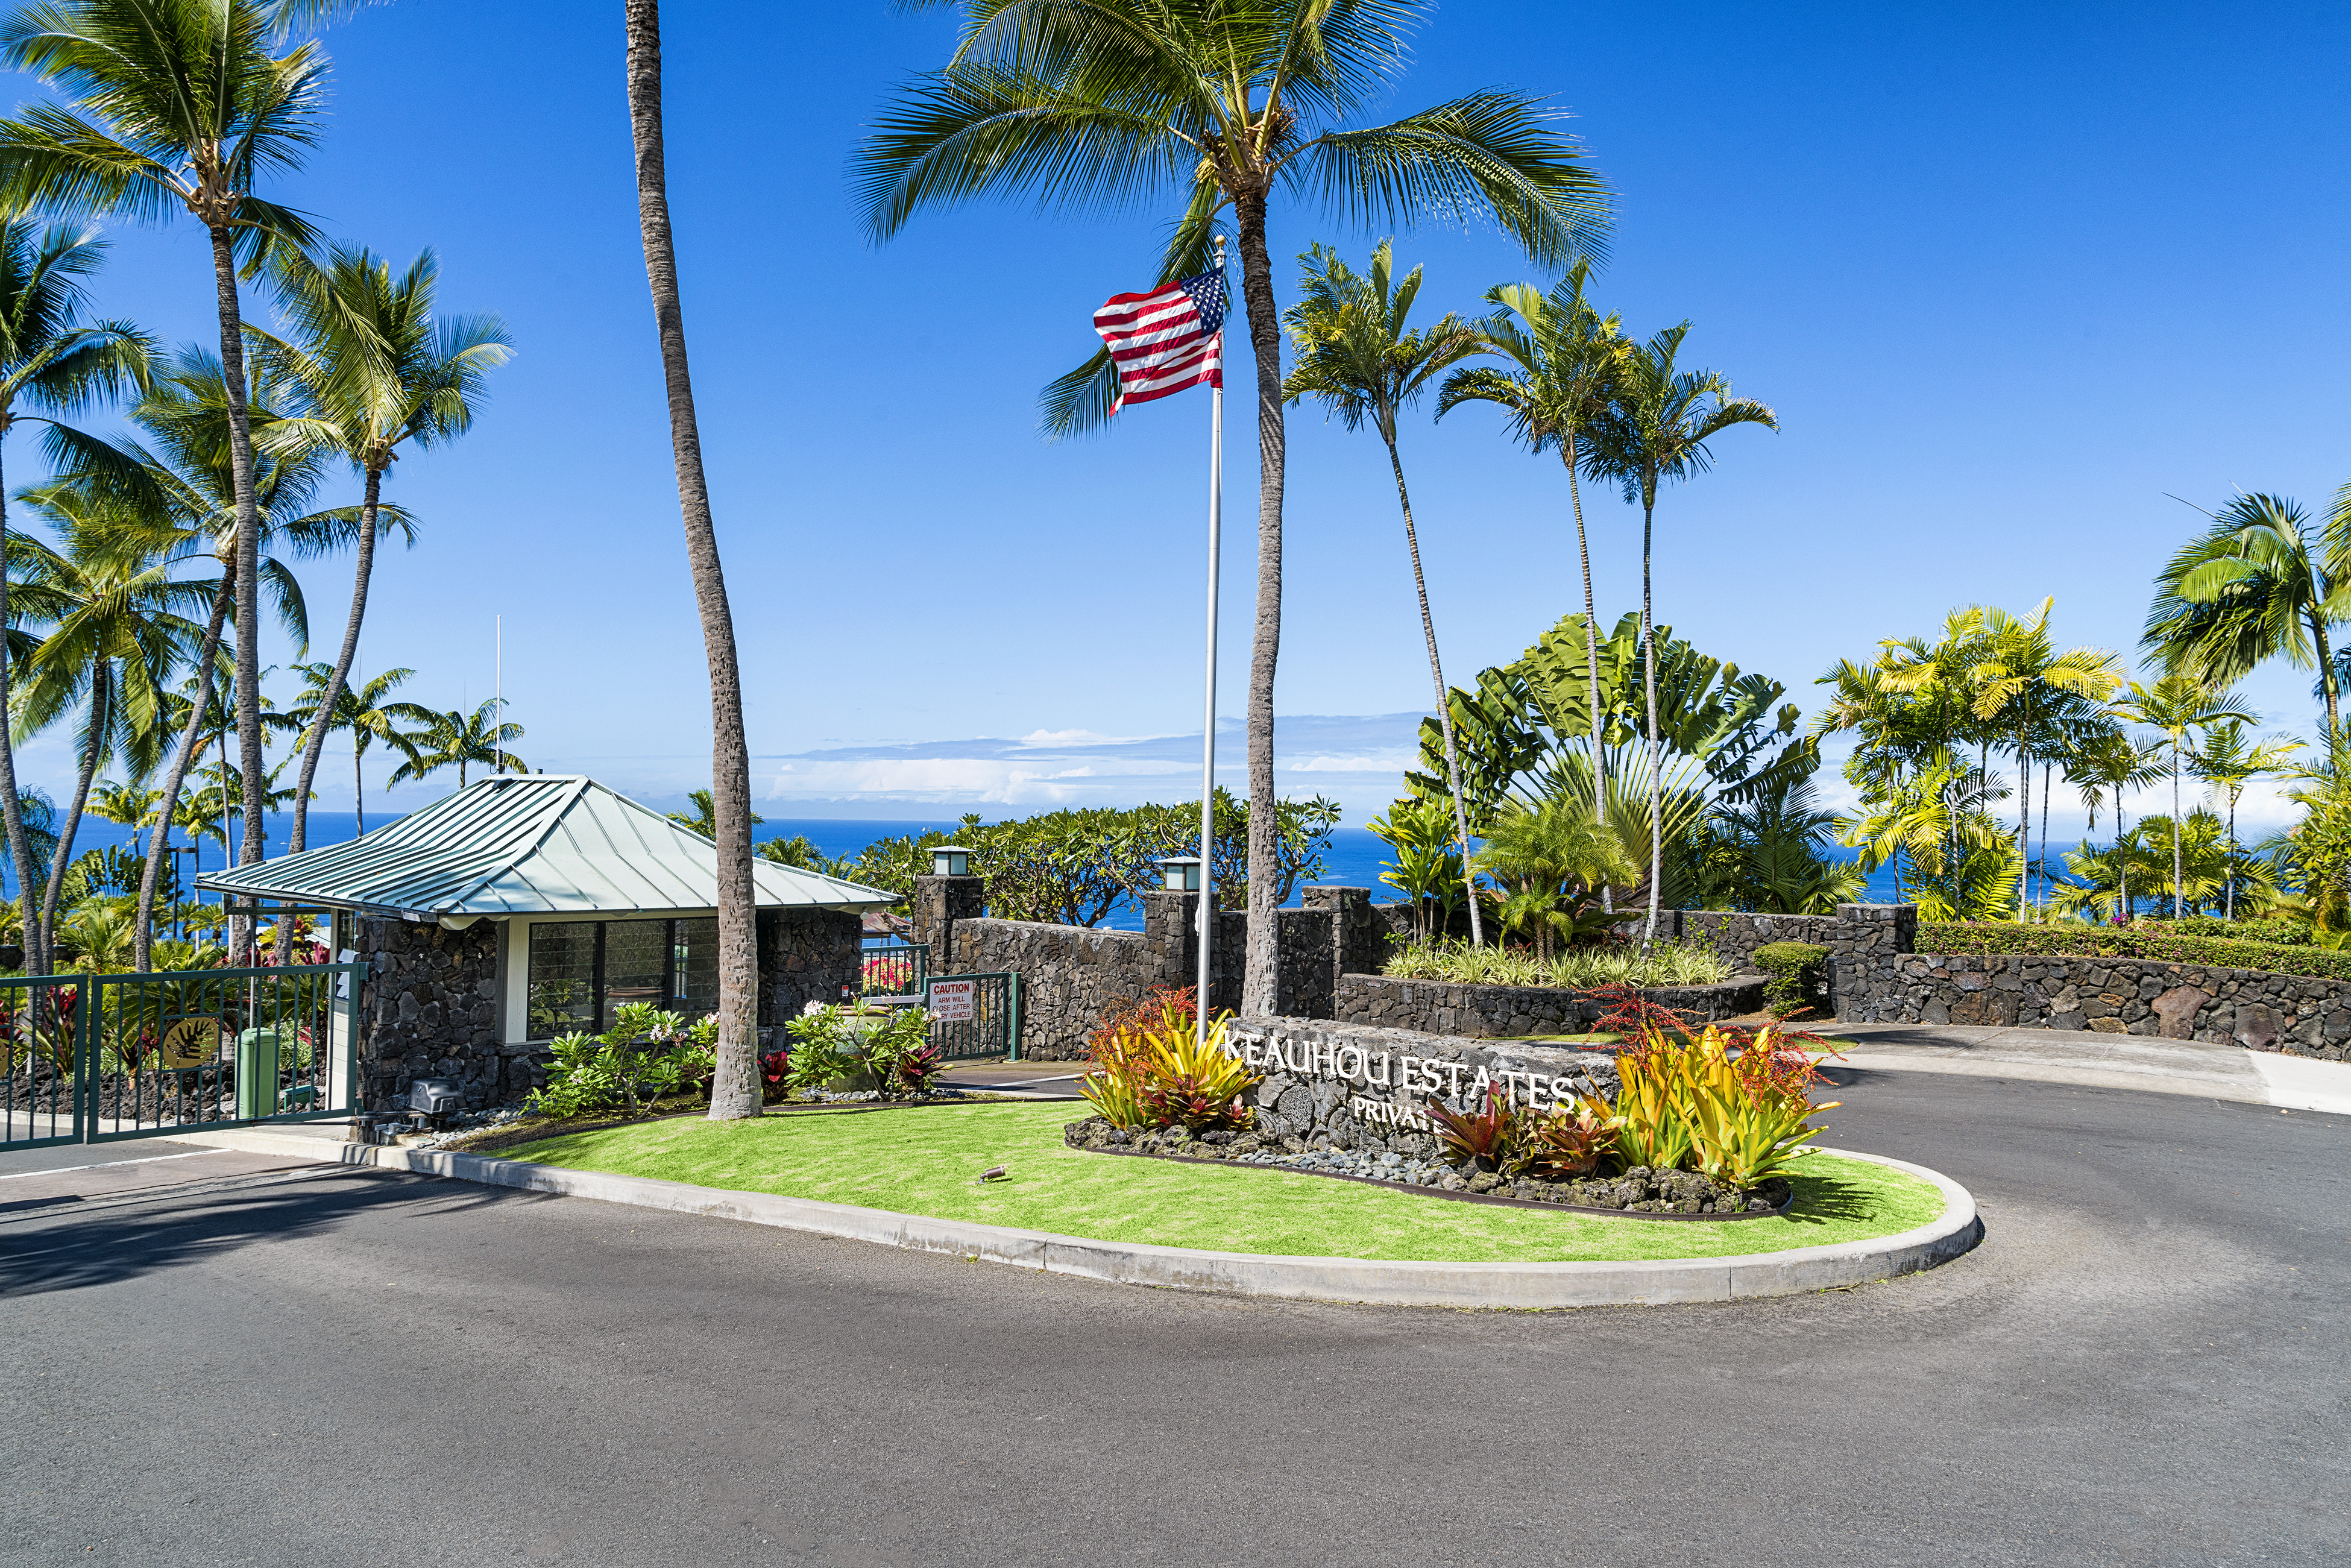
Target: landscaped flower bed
<point>1637,1190</point>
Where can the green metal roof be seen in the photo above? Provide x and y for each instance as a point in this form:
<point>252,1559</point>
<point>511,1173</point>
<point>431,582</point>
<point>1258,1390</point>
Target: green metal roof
<point>529,844</point>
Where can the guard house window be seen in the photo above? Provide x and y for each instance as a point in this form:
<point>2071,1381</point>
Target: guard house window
<point>583,971</point>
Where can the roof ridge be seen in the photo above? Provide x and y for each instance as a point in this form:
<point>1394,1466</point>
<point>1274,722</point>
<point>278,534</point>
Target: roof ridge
<point>554,818</point>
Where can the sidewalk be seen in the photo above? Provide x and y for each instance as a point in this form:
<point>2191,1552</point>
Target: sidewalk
<point>2100,1061</point>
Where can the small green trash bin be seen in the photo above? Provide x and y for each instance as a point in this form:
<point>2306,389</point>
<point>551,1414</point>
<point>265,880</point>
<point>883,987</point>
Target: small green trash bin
<point>257,1074</point>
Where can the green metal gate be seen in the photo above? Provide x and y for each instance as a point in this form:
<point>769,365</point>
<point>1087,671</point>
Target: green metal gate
<point>94,1057</point>
<point>974,1015</point>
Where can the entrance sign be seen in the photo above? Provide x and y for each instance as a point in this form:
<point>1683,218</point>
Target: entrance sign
<point>955,1001</point>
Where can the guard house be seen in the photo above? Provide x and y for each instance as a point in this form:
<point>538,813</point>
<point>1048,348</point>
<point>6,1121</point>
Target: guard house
<point>528,905</point>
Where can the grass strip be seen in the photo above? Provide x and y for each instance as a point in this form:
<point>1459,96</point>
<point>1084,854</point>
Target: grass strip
<point>928,1161</point>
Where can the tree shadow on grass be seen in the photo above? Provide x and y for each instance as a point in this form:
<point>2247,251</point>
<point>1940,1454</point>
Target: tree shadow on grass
<point>84,1245</point>
<point>1831,1200</point>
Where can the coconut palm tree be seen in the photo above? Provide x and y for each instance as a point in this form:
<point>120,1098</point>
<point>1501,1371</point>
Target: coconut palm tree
<point>178,483</point>
<point>1356,358</point>
<point>1205,105</point>
<point>2025,686</point>
<point>2228,761</point>
<point>375,370</point>
<point>125,805</point>
<point>116,635</point>
<point>2107,765</point>
<point>1563,355</point>
<point>2176,704</point>
<point>49,359</point>
<point>176,106</point>
<point>456,739</point>
<point>2260,583</point>
<point>734,1087</point>
<point>1656,428</point>
<point>363,711</point>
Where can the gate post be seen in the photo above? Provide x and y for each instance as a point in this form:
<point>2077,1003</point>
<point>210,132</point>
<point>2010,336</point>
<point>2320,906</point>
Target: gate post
<point>939,903</point>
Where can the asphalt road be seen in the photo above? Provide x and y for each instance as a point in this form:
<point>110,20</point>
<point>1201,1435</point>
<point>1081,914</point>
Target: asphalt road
<point>232,1360</point>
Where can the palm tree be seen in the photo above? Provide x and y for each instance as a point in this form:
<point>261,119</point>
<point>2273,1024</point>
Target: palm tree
<point>2229,762</point>
<point>116,636</point>
<point>125,805</point>
<point>735,1089</point>
<point>1541,848</point>
<point>705,819</point>
<point>177,106</point>
<point>2176,704</point>
<point>1565,356</point>
<point>2024,684</point>
<point>361,710</point>
<point>454,739</point>
<point>1656,429</point>
<point>1205,105</point>
<point>1356,356</point>
<point>2107,766</point>
<point>48,359</point>
<point>2259,584</point>
<point>375,370</point>
<point>179,483</point>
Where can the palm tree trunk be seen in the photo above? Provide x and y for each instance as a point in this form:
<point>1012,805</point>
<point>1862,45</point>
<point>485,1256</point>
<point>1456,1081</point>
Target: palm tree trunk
<point>735,1086</point>
<point>1444,706</point>
<point>12,809</point>
<point>2229,881</point>
<point>358,786</point>
<point>100,720</point>
<point>2176,877</point>
<point>159,843</point>
<point>315,742</point>
<point>2122,861</point>
<point>1649,669</point>
<point>1590,658</point>
<point>2046,770</point>
<point>1260,974</point>
<point>2326,678</point>
<point>248,567</point>
<point>2023,828</point>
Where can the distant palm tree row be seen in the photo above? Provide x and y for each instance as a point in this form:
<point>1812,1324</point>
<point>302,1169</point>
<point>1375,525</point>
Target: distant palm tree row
<point>172,543</point>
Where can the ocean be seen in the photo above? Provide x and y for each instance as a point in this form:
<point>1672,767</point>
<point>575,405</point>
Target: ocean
<point>1353,858</point>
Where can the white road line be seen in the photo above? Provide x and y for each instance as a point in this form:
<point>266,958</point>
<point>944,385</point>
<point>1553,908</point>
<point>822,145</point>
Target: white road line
<point>104,1164</point>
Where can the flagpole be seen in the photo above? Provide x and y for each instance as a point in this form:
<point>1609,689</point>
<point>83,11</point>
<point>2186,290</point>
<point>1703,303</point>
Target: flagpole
<point>1208,899</point>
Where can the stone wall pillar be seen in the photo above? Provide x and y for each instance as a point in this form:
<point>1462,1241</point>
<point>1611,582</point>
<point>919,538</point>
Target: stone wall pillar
<point>807,955</point>
<point>1865,961</point>
<point>1171,929</point>
<point>938,903</point>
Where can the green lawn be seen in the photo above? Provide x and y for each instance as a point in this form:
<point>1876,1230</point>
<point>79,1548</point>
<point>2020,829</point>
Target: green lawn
<point>928,1161</point>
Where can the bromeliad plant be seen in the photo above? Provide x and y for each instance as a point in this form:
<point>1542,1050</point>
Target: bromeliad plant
<point>1152,1069</point>
<point>1688,1103</point>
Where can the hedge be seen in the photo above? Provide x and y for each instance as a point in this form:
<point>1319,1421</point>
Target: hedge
<point>2077,939</point>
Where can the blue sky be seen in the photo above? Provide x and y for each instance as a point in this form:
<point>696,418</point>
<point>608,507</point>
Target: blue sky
<point>2012,277</point>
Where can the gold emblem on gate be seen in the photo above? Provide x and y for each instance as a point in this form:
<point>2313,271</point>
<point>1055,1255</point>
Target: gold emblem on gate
<point>191,1042</point>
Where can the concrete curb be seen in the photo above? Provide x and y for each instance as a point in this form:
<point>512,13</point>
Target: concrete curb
<point>1516,1286</point>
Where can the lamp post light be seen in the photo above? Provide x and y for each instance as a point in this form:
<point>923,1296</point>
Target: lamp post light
<point>1182,873</point>
<point>950,860</point>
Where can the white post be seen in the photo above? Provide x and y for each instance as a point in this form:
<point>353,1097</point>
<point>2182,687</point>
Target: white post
<point>1208,901</point>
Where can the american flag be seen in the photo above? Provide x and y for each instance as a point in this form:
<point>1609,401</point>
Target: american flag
<point>1168,340</point>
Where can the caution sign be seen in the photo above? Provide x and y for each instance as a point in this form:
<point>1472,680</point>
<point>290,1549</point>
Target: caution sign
<point>955,1001</point>
<point>191,1042</point>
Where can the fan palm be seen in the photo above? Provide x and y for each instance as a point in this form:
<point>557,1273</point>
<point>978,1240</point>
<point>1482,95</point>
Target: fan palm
<point>456,739</point>
<point>2260,583</point>
<point>1205,105</point>
<point>734,1087</point>
<point>2175,704</point>
<point>1656,428</point>
<point>2228,761</point>
<point>375,370</point>
<point>2104,765</point>
<point>49,359</point>
<point>361,710</point>
<point>1563,354</point>
<point>2025,686</point>
<point>1356,356</point>
<point>116,635</point>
